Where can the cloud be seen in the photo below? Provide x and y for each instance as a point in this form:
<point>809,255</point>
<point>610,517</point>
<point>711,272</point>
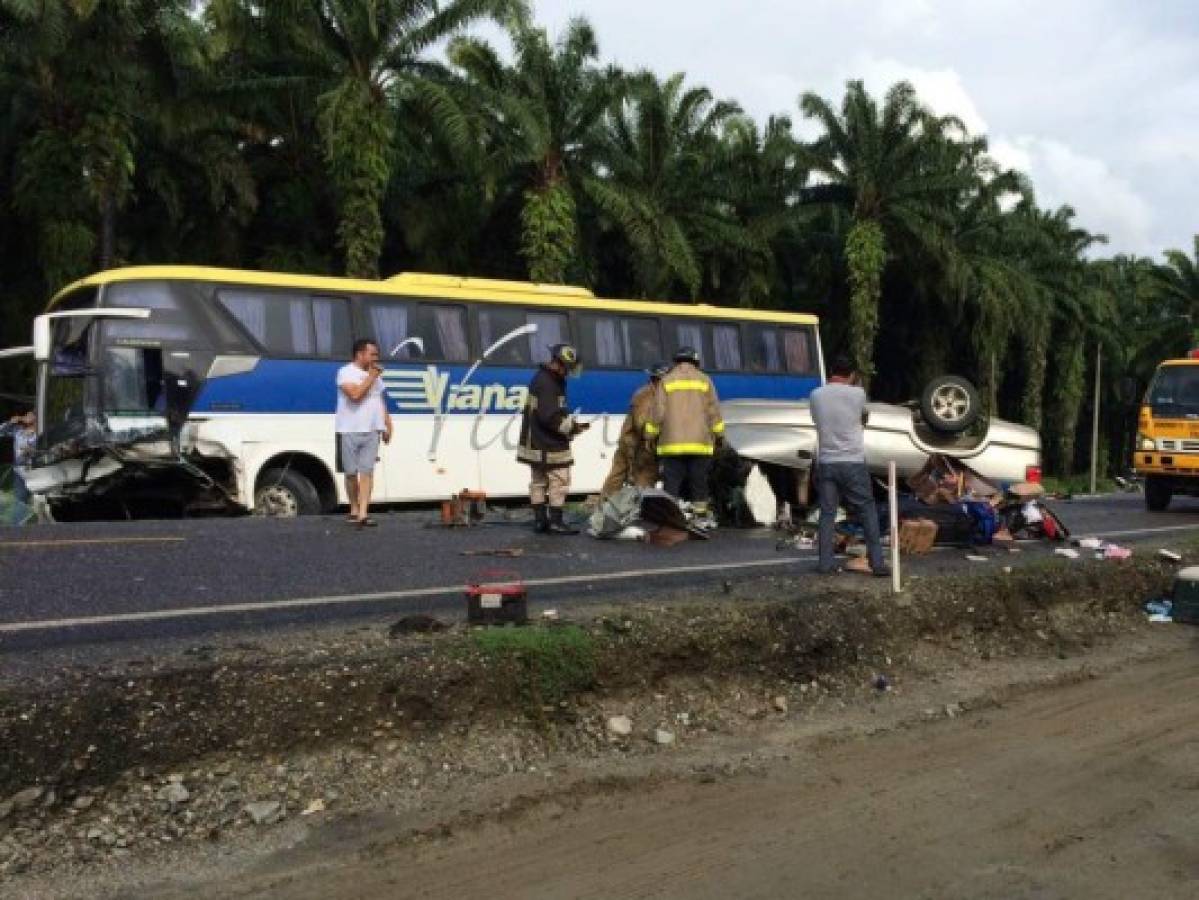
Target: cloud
<point>1106,203</point>
<point>941,90</point>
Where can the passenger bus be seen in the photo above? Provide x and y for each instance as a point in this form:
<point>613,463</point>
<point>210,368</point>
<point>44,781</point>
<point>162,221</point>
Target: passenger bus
<point>211,387</point>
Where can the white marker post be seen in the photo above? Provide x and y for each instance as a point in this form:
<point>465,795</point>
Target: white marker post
<point>893,509</point>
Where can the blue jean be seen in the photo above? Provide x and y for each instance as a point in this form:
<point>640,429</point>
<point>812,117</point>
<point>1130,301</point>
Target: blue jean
<point>20,499</point>
<point>847,484</point>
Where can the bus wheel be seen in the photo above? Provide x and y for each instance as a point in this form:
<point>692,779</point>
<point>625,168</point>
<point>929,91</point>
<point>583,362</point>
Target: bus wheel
<point>285,494</point>
<point>1157,493</point>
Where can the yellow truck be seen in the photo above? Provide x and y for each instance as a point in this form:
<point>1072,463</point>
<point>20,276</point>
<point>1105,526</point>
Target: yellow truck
<point>1167,447</point>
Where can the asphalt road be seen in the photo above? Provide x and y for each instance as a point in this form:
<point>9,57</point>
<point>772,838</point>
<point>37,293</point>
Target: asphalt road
<point>100,583</point>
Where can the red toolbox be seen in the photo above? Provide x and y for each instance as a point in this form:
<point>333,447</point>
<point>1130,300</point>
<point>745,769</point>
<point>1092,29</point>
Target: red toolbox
<point>497,597</point>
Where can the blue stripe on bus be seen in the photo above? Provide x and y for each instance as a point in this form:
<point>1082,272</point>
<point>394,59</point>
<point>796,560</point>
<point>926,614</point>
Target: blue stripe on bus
<point>307,386</point>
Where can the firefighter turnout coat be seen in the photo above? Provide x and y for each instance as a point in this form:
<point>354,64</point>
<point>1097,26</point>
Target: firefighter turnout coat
<point>547,425</point>
<point>686,417</point>
<point>634,460</point>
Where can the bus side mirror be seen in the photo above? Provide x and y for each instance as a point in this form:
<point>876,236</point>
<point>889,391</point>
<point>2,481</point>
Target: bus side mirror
<point>1126,391</point>
<point>41,339</point>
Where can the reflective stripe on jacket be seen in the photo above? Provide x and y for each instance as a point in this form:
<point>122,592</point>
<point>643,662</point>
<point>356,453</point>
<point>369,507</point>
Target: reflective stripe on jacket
<point>546,429</point>
<point>686,418</point>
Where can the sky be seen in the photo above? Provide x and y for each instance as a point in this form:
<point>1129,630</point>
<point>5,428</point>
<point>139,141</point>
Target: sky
<point>1096,100</point>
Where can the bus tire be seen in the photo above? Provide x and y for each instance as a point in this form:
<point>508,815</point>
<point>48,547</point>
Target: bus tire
<point>1157,493</point>
<point>284,494</point>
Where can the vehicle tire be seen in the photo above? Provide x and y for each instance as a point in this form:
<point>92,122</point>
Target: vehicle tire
<point>1157,493</point>
<point>950,404</point>
<point>284,494</point>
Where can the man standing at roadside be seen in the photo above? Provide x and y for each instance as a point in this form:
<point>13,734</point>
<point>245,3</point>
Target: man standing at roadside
<point>839,413</point>
<point>23,431</point>
<point>635,460</point>
<point>546,431</point>
<point>361,418</point>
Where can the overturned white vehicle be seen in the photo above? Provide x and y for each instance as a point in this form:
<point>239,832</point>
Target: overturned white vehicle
<point>948,420</point>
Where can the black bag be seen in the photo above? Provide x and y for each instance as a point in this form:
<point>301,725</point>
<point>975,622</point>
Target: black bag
<point>955,525</point>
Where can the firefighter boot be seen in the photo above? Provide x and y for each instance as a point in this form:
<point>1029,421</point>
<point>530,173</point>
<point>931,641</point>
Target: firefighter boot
<point>541,520</point>
<point>557,526</point>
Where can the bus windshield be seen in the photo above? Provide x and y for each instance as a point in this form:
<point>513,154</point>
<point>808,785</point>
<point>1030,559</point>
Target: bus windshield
<point>1175,392</point>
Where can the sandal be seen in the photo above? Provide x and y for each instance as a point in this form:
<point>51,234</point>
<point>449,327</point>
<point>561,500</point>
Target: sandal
<point>368,522</point>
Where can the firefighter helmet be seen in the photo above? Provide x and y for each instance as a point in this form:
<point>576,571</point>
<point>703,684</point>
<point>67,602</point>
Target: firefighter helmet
<point>687,354</point>
<point>565,354</point>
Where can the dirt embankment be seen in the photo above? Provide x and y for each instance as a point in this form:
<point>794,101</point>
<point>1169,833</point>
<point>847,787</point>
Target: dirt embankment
<point>104,765</point>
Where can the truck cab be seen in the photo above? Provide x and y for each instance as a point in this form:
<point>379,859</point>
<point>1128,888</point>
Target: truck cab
<point>1167,445</point>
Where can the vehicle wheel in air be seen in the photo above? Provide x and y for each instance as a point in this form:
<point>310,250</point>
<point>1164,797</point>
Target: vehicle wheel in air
<point>284,494</point>
<point>950,404</point>
<point>1157,493</point>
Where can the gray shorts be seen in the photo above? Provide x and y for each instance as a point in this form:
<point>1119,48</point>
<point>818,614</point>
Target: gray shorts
<point>359,452</point>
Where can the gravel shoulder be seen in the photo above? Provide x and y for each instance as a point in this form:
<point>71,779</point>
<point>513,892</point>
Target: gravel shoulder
<point>1012,778</point>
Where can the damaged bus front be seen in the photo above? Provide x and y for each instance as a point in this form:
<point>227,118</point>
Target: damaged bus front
<point>119,365</point>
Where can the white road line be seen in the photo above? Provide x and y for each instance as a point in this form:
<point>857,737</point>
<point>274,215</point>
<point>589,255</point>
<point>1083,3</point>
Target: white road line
<point>156,615</point>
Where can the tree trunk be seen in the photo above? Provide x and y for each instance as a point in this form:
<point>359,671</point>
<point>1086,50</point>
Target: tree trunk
<point>108,229</point>
<point>548,232</point>
<point>1070,386</point>
<point>356,128</point>
<point>866,257</point>
<point>1036,341</point>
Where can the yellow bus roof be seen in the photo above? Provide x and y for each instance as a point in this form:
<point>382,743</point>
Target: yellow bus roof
<point>1178,362</point>
<point>450,287</point>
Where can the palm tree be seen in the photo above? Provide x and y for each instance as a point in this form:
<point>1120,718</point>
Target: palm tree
<point>889,168</point>
<point>357,55</point>
<point>659,182</point>
<point>1176,292</point>
<point>541,114</point>
<point>763,179</point>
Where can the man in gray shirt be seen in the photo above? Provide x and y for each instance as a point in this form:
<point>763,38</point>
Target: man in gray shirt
<point>839,413</point>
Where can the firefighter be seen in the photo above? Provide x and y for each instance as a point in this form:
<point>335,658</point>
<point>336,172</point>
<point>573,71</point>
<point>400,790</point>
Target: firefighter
<point>686,424</point>
<point>635,461</point>
<point>546,431</point>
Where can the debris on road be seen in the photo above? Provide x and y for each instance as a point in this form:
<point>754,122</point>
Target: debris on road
<point>505,552</point>
<point>634,513</point>
<point>1067,552</point>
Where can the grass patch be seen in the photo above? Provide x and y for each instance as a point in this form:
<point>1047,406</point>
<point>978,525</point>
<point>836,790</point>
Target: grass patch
<point>543,666</point>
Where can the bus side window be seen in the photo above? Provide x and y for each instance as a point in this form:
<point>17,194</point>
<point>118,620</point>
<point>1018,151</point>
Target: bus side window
<point>442,328</point>
<point>331,318</point>
<point>387,322</point>
<point>496,323</point>
<point>601,342</point>
<point>642,338</point>
<point>689,333</point>
<point>280,322</point>
<point>552,328</point>
<point>764,355</point>
<point>726,348</point>
<point>799,351</point>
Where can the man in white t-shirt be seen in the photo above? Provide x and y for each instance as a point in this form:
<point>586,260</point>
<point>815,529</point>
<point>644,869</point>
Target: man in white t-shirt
<point>361,418</point>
